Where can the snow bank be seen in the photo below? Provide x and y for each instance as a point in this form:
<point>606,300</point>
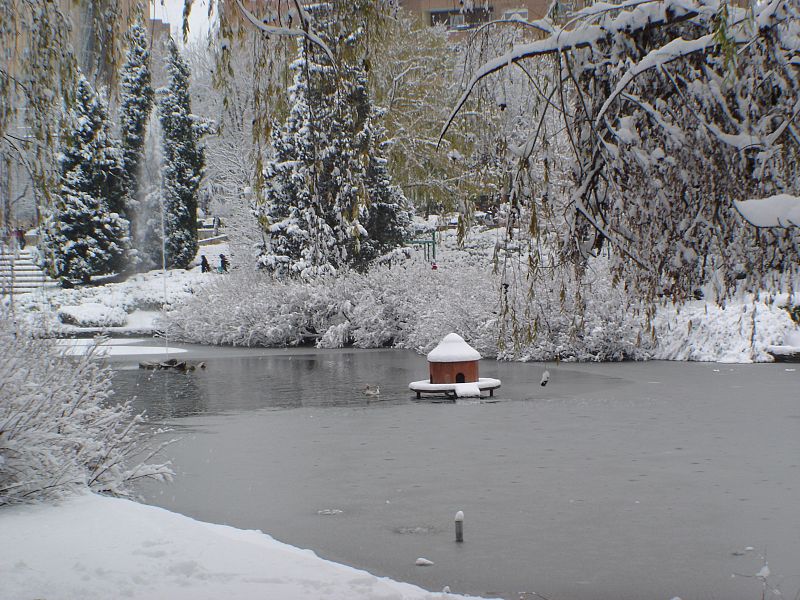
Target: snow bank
<point>739,333</point>
<point>410,306</point>
<point>129,306</point>
<point>117,348</point>
<point>92,546</point>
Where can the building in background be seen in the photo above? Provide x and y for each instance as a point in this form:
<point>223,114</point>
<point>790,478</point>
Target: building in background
<point>158,31</point>
<point>453,15</point>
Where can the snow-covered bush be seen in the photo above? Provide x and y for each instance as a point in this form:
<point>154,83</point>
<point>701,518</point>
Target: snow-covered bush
<point>409,305</point>
<point>59,429</point>
<point>93,314</point>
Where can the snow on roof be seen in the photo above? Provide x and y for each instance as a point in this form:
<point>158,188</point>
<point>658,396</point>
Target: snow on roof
<point>453,348</point>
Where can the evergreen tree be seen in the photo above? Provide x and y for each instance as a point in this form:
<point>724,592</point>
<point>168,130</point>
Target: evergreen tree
<point>184,160</point>
<point>84,232</point>
<point>136,102</point>
<point>328,201</point>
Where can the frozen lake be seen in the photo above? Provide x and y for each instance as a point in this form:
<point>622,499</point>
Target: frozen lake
<point>625,481</point>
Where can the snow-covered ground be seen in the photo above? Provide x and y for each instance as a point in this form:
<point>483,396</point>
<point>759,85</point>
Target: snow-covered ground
<point>131,307</point>
<point>92,546</point>
<point>742,332</point>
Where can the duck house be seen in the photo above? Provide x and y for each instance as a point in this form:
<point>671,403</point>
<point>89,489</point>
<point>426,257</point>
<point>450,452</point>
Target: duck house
<point>453,370</point>
<point>453,361</point>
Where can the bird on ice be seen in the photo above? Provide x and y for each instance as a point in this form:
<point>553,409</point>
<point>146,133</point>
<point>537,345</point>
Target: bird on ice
<point>545,378</point>
<point>372,391</point>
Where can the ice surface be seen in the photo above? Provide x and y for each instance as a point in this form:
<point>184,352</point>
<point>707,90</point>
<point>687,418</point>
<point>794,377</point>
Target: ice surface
<point>709,456</point>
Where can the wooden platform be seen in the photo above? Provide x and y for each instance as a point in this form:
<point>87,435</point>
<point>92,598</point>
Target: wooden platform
<point>485,384</point>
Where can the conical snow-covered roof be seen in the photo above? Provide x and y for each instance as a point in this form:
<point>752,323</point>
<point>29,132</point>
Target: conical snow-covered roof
<point>453,348</point>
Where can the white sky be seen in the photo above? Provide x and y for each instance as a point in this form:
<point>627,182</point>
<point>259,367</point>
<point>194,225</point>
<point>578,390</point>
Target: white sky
<point>171,11</point>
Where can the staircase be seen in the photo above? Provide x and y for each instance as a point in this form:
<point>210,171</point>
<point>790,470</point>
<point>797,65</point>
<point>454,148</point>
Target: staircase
<point>19,274</point>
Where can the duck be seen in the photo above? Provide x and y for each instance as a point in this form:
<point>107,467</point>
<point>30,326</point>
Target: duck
<point>372,391</point>
<point>545,378</point>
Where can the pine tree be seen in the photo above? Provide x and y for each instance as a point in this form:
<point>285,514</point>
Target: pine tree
<point>328,201</point>
<point>184,161</point>
<point>136,103</point>
<point>84,232</point>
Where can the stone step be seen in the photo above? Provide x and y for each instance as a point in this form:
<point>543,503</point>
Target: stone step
<point>13,256</point>
<point>18,293</point>
<point>30,270</point>
<point>19,267</point>
<point>7,281</point>
<point>18,263</point>
<point>19,274</point>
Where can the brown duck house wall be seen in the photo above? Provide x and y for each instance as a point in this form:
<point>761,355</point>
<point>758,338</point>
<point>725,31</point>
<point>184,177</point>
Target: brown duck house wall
<point>454,372</point>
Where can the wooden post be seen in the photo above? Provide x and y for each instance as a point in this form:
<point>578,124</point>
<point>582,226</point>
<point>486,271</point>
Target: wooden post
<point>459,527</point>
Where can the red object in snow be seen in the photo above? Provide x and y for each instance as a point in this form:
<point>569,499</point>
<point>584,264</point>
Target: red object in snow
<point>433,266</point>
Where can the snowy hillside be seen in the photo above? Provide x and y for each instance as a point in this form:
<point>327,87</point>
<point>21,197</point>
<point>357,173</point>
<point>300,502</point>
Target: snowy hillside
<point>118,548</point>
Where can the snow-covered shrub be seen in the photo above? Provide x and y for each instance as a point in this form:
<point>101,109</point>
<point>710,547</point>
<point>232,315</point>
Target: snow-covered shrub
<point>59,430</point>
<point>92,314</point>
<point>409,305</point>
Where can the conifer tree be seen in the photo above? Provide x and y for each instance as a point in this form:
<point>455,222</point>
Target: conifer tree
<point>328,201</point>
<point>136,103</point>
<point>184,161</point>
<point>84,232</point>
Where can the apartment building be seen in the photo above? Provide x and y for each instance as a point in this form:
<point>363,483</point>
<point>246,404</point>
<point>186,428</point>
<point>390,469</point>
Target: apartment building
<point>454,15</point>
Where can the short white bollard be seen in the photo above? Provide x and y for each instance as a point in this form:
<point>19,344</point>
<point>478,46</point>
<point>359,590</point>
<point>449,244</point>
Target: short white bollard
<point>459,526</point>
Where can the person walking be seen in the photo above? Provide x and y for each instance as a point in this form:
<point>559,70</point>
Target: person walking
<point>204,266</point>
<point>223,263</point>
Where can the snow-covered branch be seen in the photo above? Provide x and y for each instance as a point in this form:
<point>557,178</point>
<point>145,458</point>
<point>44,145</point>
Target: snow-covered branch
<point>782,210</point>
<point>288,31</point>
<point>643,16</point>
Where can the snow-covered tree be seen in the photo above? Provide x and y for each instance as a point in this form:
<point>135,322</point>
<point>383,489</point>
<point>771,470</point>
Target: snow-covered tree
<point>253,80</point>
<point>136,103</point>
<point>388,216</point>
<point>84,234</point>
<point>417,79</point>
<point>328,184</point>
<point>672,111</point>
<point>184,161</point>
